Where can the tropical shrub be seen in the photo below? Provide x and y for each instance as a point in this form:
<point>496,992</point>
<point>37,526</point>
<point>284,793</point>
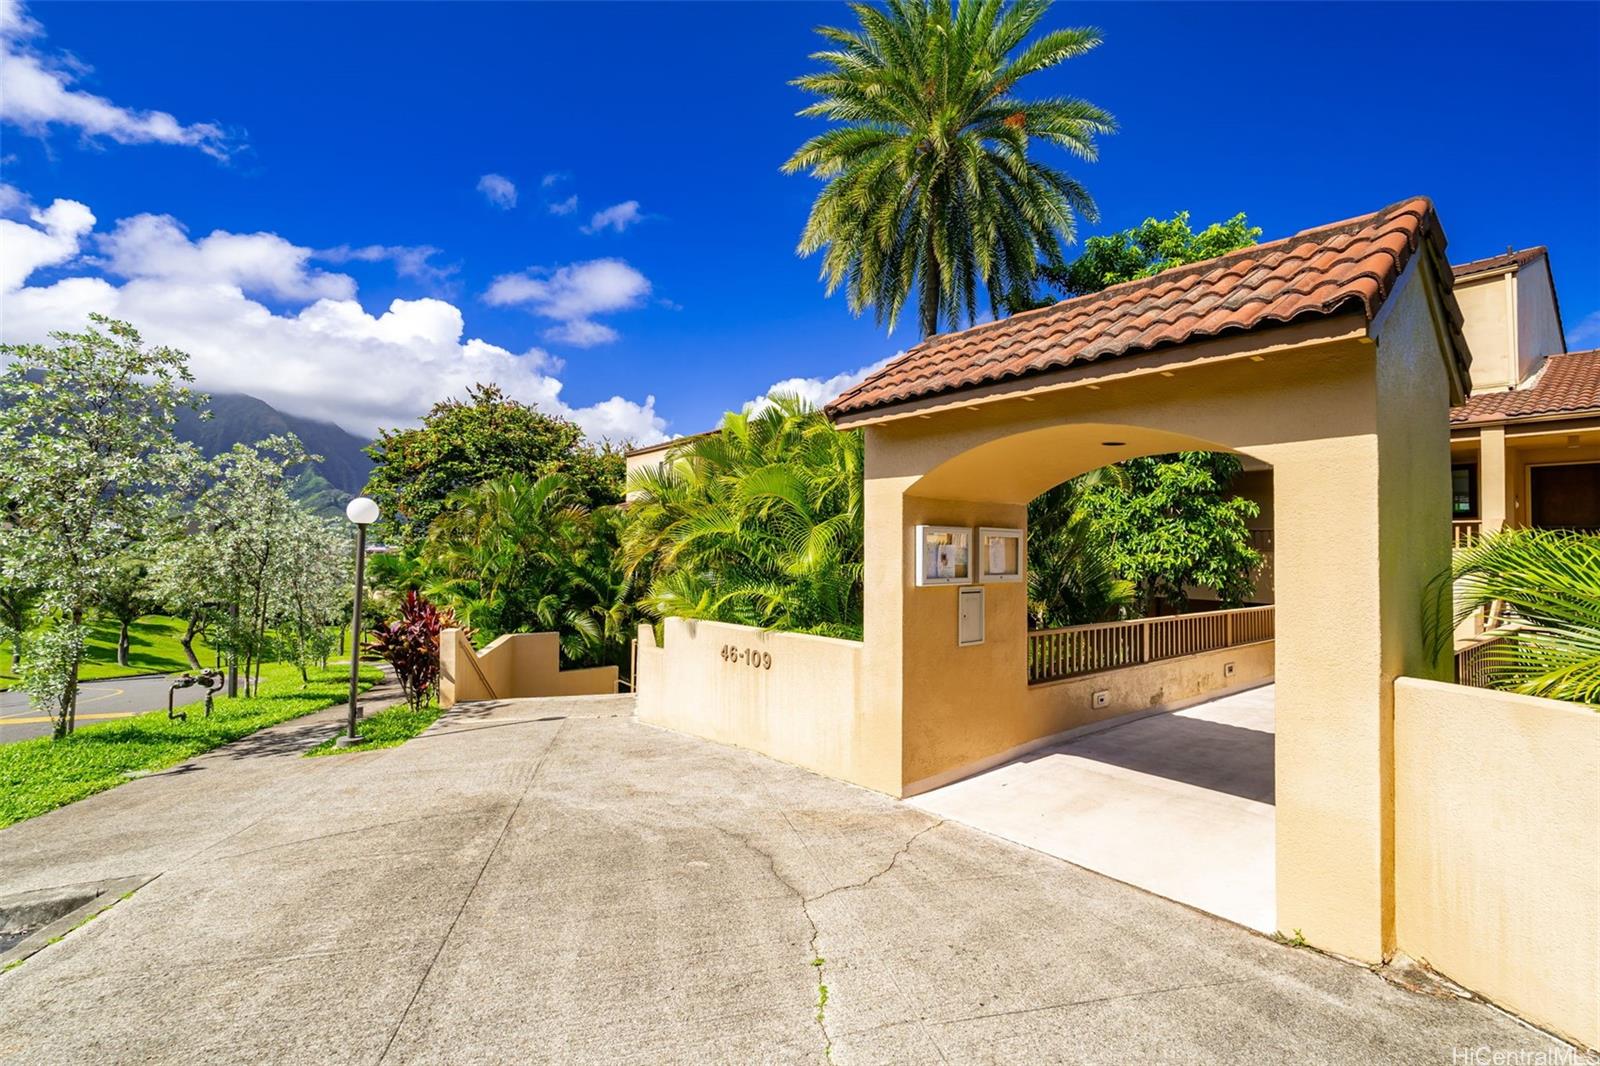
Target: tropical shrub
<point>515,554</point>
<point>759,523</point>
<point>1071,580</point>
<point>410,644</point>
<point>1549,580</point>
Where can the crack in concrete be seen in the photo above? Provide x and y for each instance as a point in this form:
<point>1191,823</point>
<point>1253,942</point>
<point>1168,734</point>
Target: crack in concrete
<point>817,960</point>
<point>494,849</point>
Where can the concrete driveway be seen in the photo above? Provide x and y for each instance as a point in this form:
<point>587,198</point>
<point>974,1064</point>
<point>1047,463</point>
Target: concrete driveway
<point>1180,804</point>
<point>550,881</point>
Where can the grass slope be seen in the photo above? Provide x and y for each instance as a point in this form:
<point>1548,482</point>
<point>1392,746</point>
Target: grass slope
<point>153,648</point>
<point>386,729</point>
<point>40,775</point>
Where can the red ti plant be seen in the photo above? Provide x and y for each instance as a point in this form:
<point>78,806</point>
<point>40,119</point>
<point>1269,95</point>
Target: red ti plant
<point>411,645</point>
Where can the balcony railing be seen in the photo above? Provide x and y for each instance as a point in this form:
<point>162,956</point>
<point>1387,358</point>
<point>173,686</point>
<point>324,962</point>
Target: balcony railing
<point>1464,532</point>
<point>1056,654</point>
<point>1472,663</point>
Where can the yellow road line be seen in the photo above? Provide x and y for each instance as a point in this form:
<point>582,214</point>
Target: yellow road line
<point>82,717</point>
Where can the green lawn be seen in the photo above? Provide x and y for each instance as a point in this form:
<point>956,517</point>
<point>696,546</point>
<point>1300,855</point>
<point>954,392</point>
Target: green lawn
<point>386,729</point>
<point>153,648</point>
<point>40,775</point>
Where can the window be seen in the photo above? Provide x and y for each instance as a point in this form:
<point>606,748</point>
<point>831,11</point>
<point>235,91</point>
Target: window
<point>1464,490</point>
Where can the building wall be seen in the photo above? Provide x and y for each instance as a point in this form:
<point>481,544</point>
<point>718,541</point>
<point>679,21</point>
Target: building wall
<point>515,666</point>
<point>1488,310</point>
<point>1056,709</point>
<point>790,696</point>
<point>1538,322</point>
<point>1497,824</point>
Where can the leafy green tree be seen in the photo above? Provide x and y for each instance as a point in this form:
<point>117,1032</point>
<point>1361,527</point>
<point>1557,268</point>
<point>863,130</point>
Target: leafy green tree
<point>931,185</point>
<point>1549,580</point>
<point>1168,524</point>
<point>515,554</point>
<point>1071,580</point>
<point>759,524</point>
<point>462,443</point>
<point>87,456</point>
<point>124,596</point>
<point>17,603</point>
<point>1146,250</point>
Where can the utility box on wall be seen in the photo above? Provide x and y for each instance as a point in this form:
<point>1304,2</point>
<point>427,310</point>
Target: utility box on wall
<point>969,616</point>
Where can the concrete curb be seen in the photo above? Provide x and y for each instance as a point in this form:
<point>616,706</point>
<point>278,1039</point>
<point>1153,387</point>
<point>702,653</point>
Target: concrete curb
<point>84,902</point>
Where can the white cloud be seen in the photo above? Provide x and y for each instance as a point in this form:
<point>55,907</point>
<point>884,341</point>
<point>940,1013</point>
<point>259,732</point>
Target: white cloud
<point>1586,334</point>
<point>553,178</point>
<point>410,261</point>
<point>564,207</point>
<point>329,359</point>
<point>819,391</point>
<point>53,238</point>
<point>36,94</point>
<point>499,191</point>
<point>156,246</point>
<point>572,295</point>
<point>617,217</point>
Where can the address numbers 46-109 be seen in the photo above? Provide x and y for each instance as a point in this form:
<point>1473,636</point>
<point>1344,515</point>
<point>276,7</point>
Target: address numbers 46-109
<point>753,657</point>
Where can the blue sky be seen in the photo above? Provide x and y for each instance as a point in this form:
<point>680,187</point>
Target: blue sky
<point>334,141</point>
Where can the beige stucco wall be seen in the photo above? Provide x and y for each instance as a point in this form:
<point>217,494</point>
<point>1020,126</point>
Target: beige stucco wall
<point>1488,311</point>
<point>1538,321</point>
<point>1061,707</point>
<point>1354,424</point>
<point>804,708</point>
<point>1497,824</point>
<point>515,666</point>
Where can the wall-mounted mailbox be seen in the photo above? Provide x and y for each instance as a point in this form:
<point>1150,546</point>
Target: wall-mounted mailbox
<point>969,616</point>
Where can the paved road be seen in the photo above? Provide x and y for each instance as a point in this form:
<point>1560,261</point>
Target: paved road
<point>550,881</point>
<point>99,701</point>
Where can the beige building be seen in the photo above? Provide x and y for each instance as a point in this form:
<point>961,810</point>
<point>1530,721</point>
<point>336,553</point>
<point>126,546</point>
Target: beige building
<point>1406,814</point>
<point>1525,447</point>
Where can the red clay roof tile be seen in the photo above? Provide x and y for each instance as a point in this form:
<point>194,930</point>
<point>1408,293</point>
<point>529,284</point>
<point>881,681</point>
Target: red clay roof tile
<point>1568,384</point>
<point>1350,265</point>
<point>1506,261</point>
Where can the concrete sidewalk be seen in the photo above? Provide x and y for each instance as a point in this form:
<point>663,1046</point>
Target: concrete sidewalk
<point>550,881</point>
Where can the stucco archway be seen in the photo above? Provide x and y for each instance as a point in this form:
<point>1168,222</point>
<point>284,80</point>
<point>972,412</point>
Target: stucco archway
<point>1344,392</point>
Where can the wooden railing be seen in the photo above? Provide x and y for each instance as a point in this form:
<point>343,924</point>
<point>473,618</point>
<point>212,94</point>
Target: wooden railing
<point>1472,663</point>
<point>1464,532</point>
<point>1054,654</point>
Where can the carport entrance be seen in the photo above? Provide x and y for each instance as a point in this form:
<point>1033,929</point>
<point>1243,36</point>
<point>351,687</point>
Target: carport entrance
<point>1179,804</point>
<point>1333,357</point>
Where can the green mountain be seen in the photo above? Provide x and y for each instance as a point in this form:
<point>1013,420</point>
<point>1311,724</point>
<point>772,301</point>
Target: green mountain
<point>324,486</point>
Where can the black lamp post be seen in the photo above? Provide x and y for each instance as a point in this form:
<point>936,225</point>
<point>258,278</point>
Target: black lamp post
<point>361,511</point>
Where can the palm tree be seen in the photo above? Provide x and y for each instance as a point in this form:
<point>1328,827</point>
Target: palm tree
<point>1070,577</point>
<point>759,523</point>
<point>930,185</point>
<point>514,554</point>
<point>1550,581</point>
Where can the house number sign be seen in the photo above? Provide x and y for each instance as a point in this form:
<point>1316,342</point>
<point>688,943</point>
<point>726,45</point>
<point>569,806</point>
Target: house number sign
<point>752,657</point>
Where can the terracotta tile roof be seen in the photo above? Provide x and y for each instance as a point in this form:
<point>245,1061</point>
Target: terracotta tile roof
<point>1500,262</point>
<point>1568,384</point>
<point>1350,265</point>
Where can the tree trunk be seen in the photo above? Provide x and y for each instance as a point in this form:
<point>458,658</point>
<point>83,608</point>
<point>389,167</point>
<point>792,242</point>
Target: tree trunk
<point>187,641</point>
<point>931,282</point>
<point>69,716</point>
<point>122,642</point>
<point>233,651</point>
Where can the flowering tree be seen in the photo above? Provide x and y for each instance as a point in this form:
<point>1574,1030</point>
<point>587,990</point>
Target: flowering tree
<point>222,560</point>
<point>86,453</point>
<point>312,577</point>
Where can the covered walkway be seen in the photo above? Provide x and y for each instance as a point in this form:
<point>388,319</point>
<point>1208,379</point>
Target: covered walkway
<point>1180,804</point>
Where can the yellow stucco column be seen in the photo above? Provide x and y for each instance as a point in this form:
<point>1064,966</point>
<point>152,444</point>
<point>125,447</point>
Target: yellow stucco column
<point>1493,505</point>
